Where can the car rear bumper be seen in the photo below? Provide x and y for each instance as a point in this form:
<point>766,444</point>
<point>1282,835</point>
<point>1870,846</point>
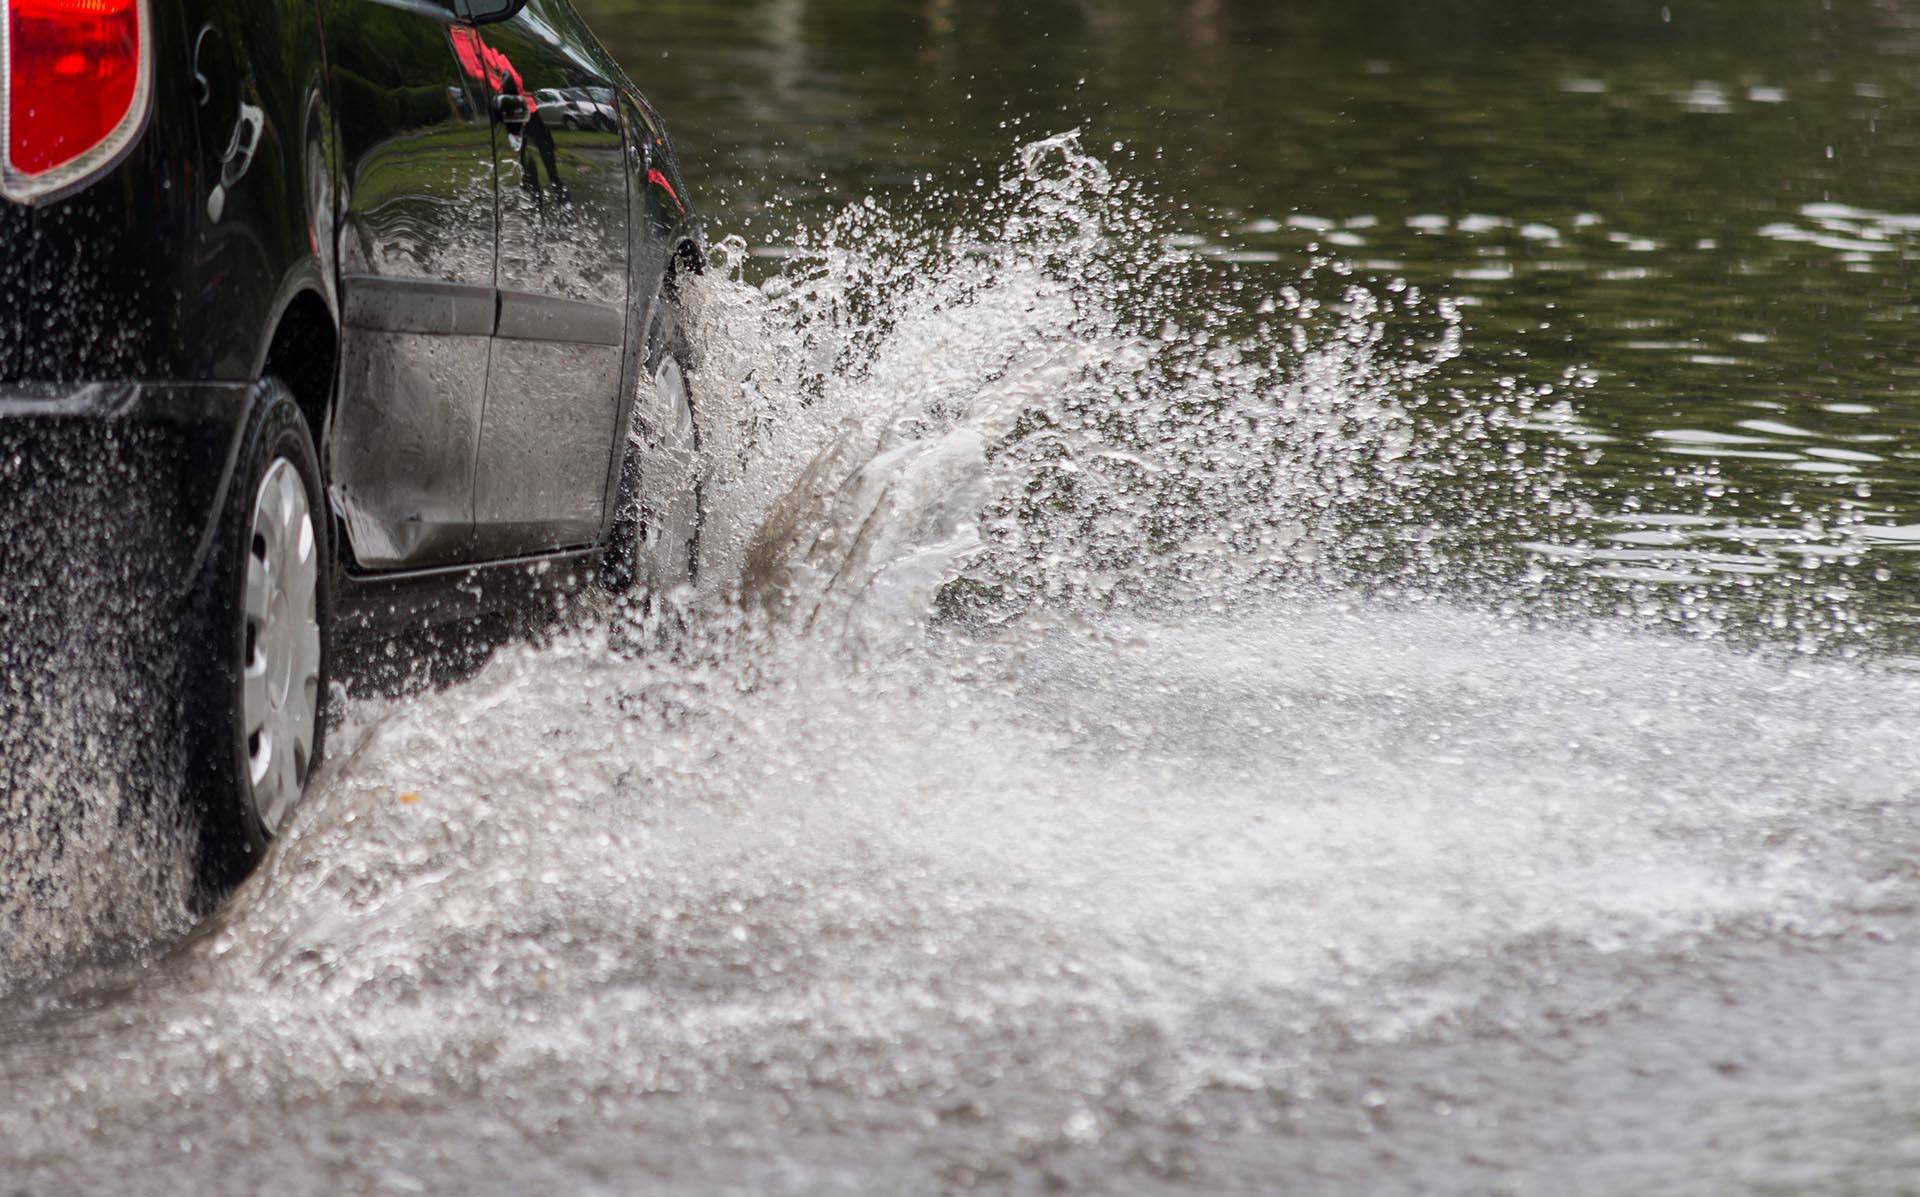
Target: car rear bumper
<point>118,484</point>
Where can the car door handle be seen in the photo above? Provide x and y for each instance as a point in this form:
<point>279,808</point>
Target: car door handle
<point>202,86</point>
<point>238,158</point>
<point>512,111</point>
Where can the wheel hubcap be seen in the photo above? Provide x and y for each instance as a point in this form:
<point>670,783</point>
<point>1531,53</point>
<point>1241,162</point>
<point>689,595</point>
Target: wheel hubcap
<point>280,675</point>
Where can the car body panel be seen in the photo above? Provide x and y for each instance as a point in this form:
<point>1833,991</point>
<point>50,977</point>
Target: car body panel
<point>143,273</point>
<point>416,252</point>
<point>157,453</point>
<point>553,393</point>
<point>270,182</point>
<point>16,291</point>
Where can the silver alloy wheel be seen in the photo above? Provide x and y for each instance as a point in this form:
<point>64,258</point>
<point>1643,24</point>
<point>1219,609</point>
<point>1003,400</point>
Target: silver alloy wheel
<point>280,672</point>
<point>670,511</point>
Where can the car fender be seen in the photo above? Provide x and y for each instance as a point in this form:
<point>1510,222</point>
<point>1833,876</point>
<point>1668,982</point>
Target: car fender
<point>237,423</point>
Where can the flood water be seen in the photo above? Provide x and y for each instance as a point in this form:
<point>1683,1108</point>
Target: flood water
<point>1297,598</point>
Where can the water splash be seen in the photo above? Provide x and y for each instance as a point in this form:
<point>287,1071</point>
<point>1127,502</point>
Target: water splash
<point>95,849</point>
<point>1048,405</point>
<point>1056,800</point>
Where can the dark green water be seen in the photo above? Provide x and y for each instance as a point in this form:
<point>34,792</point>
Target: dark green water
<point>1695,221</point>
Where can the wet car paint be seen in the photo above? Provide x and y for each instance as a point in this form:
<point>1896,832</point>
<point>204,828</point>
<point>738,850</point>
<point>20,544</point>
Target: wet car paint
<point>283,130</point>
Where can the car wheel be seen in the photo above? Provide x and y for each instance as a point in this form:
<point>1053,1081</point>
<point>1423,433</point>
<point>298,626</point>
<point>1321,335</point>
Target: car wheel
<point>258,695</point>
<point>655,543</point>
<point>570,123</point>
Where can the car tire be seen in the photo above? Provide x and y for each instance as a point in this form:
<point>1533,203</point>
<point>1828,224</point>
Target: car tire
<point>256,693</point>
<point>655,542</point>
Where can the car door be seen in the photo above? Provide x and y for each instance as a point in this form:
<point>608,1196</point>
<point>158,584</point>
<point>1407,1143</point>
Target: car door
<point>416,248</point>
<point>549,432</point>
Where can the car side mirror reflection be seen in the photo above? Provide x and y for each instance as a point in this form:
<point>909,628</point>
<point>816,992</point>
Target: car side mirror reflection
<point>488,12</point>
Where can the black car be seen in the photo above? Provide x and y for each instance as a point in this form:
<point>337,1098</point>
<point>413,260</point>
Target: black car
<point>310,330</point>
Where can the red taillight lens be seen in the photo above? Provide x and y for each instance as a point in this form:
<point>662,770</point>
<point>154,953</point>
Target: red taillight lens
<point>75,71</point>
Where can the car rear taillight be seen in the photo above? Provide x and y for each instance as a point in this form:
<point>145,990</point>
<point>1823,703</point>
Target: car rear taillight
<point>75,85</point>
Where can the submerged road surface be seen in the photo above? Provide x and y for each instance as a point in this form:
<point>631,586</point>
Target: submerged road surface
<point>1317,900</point>
<point>1047,815</point>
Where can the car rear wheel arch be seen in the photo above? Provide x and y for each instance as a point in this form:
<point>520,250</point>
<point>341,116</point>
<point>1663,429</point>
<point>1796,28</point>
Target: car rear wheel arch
<point>304,354</point>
